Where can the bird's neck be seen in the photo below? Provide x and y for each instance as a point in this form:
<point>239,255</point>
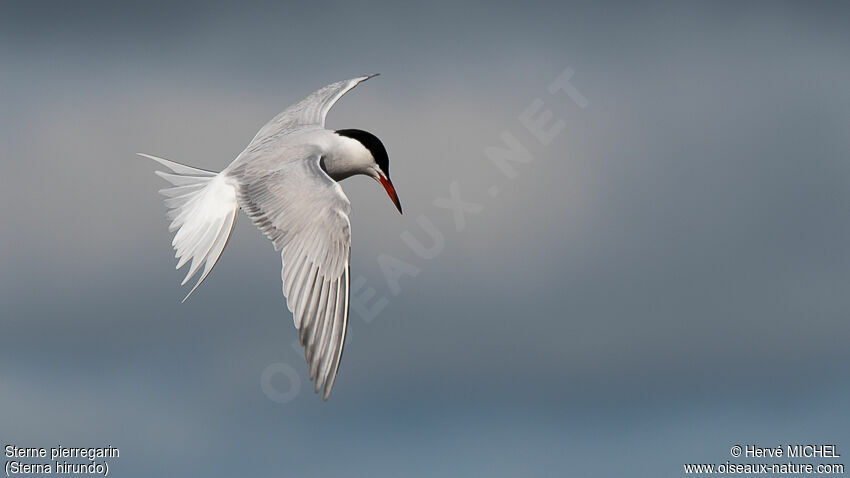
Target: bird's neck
<point>345,157</point>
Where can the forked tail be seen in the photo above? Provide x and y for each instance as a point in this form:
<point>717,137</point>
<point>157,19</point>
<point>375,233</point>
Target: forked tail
<point>202,209</point>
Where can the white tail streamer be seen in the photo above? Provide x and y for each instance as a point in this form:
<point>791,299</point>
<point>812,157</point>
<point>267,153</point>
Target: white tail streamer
<point>202,208</point>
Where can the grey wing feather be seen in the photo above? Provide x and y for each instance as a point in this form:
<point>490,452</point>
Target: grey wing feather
<point>311,111</point>
<point>306,216</point>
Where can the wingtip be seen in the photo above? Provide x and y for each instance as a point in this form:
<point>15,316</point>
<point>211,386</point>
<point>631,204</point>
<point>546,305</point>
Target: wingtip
<point>150,156</point>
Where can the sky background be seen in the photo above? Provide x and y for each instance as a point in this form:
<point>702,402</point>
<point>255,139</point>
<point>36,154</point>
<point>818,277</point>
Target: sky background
<point>668,277</point>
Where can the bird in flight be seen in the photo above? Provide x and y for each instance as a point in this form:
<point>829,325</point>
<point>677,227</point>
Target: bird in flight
<point>286,181</point>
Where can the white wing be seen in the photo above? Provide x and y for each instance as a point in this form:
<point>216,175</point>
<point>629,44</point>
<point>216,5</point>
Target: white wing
<point>311,111</point>
<point>305,214</point>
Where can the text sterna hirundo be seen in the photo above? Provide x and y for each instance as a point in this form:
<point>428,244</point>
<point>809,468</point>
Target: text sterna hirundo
<point>286,182</point>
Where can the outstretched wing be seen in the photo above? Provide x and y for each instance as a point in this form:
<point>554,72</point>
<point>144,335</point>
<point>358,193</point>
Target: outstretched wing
<point>306,215</point>
<point>311,111</point>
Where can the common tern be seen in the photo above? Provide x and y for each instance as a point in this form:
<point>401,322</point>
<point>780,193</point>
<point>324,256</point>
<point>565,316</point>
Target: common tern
<point>286,181</point>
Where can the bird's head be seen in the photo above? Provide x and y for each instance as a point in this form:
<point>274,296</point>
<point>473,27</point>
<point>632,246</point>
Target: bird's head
<point>378,166</point>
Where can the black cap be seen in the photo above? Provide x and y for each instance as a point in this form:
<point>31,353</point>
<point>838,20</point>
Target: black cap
<point>373,144</point>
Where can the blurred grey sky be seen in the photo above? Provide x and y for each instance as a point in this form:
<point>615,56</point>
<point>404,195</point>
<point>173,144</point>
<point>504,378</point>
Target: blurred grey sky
<point>665,279</point>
